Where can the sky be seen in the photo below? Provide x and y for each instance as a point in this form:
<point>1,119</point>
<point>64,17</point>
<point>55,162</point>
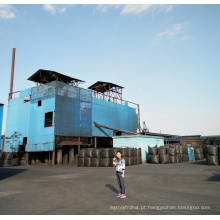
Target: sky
<point>167,57</point>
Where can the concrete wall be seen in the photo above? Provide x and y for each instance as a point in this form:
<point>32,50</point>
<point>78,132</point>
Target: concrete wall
<point>139,141</point>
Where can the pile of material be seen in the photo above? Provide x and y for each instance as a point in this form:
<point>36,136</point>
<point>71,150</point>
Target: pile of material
<point>213,155</point>
<point>93,157</point>
<point>199,153</point>
<point>9,159</point>
<point>165,155</point>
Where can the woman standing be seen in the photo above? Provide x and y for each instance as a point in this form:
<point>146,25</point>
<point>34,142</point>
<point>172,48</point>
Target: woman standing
<point>119,163</point>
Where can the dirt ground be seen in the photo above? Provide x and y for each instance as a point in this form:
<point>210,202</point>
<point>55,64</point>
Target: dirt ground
<point>190,188</point>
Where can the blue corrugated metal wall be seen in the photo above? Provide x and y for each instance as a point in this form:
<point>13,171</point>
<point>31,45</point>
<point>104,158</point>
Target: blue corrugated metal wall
<point>41,138</point>
<point>1,119</point>
<point>27,118</point>
<point>17,121</point>
<point>74,111</point>
<point>139,141</point>
<point>112,115</point>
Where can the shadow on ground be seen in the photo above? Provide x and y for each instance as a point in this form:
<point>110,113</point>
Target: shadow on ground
<point>199,162</point>
<point>215,177</point>
<point>9,172</point>
<point>112,188</point>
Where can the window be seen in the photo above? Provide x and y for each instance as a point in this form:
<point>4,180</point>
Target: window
<point>48,122</point>
<point>24,140</point>
<point>39,103</point>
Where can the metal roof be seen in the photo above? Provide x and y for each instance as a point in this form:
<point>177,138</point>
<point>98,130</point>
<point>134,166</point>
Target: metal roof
<point>159,134</point>
<point>210,136</point>
<point>46,76</point>
<point>103,86</point>
<point>189,136</point>
<point>137,135</point>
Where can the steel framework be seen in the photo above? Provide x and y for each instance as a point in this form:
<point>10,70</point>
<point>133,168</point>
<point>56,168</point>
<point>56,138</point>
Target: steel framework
<point>107,91</point>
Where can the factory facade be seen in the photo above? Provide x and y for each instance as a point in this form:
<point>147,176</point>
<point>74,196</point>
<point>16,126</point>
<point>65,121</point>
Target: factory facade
<point>56,117</point>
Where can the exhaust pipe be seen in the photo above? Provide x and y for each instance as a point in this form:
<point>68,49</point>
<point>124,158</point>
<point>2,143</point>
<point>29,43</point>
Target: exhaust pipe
<point>12,74</point>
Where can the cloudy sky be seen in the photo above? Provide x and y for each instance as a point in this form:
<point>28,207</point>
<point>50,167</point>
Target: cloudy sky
<point>166,56</point>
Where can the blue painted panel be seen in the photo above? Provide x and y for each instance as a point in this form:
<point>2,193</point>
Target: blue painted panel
<point>112,115</point>
<point>76,110</point>
<point>1,119</point>
<point>16,121</point>
<point>190,153</point>
<point>24,93</point>
<point>38,134</point>
<point>73,111</point>
<point>27,119</point>
<point>139,141</point>
<point>39,147</point>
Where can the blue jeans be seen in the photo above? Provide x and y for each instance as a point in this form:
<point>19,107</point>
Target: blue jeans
<point>121,183</point>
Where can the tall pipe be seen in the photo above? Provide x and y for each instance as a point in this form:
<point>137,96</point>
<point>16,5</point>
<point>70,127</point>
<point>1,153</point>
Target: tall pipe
<point>12,73</point>
<point>139,119</point>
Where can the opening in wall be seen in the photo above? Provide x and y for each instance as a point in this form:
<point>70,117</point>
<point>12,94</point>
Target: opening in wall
<point>21,148</point>
<point>24,140</point>
<point>48,122</point>
<point>117,133</point>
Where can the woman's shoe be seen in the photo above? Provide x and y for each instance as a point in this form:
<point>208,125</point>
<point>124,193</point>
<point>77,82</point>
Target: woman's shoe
<point>119,194</point>
<point>122,196</point>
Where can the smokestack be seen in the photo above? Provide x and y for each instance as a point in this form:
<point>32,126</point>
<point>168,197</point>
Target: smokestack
<point>12,74</point>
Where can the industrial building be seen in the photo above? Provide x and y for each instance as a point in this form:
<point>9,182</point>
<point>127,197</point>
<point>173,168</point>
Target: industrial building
<point>139,141</point>
<point>188,140</point>
<point>51,121</point>
<point>198,140</point>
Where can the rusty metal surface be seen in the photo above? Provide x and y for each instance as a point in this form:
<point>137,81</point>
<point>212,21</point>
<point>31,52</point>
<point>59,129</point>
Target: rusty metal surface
<point>47,76</point>
<point>12,74</point>
<point>107,91</point>
<point>72,140</point>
